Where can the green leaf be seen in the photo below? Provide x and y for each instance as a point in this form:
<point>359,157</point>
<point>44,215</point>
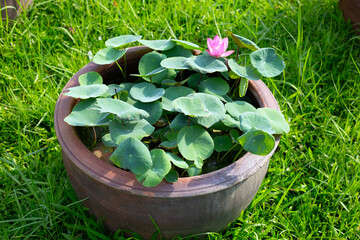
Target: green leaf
<point>191,107</point>
<point>132,154</point>
<point>86,91</point>
<point>169,83</point>
<point>177,161</point>
<point>90,78</point>
<point>84,114</point>
<point>121,41</point>
<point>161,166</point>
<point>216,86</point>
<point>206,64</point>
<point>222,143</point>
<point>120,131</point>
<point>257,142</point>
<point>199,163</point>
<point>230,122</point>
<point>159,45</point>
<point>253,120</point>
<point>107,141</point>
<point>150,74</point>
<point>151,62</point>
<point>174,63</point>
<point>195,143</point>
<point>172,176</point>
<point>108,56</point>
<point>114,89</point>
<point>194,80</point>
<point>244,83</point>
<point>146,92</point>
<point>234,134</point>
<point>154,109</point>
<point>238,107</point>
<point>178,51</point>
<point>248,72</point>
<point>213,105</point>
<point>172,140</point>
<point>267,62</point>
<point>123,110</point>
<point>187,45</point>
<point>276,119</point>
<point>173,93</point>
<point>243,42</point>
<point>180,121</point>
<point>193,170</point>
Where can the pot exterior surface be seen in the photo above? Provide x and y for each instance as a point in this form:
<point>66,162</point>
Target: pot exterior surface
<point>12,8</point>
<point>351,11</point>
<point>192,205</point>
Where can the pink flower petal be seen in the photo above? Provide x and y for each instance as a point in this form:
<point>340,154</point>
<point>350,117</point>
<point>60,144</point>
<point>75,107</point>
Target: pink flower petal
<point>216,53</point>
<point>217,40</point>
<point>209,52</point>
<point>227,53</point>
<point>210,43</point>
<point>226,42</point>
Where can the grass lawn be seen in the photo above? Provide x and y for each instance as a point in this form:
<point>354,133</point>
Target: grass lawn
<point>312,189</point>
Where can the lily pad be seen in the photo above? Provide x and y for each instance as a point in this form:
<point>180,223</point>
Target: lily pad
<point>150,63</point>
<point>87,91</point>
<point>222,143</point>
<point>132,154</point>
<point>146,92</point>
<point>121,41</point>
<point>123,110</point>
<point>216,86</point>
<point>180,121</point>
<point>177,161</point>
<point>276,119</point>
<point>90,78</point>
<point>107,141</point>
<point>230,122</point>
<point>187,45</point>
<point>243,42</point>
<point>193,170</point>
<point>195,79</point>
<point>120,131</point>
<point>248,72</point>
<point>108,56</point>
<point>267,62</point>
<point>161,166</point>
<point>191,107</point>
<point>195,143</point>
<point>150,74</point>
<point>178,51</point>
<point>173,93</point>
<point>154,109</point>
<point>206,64</point>
<point>172,176</point>
<point>238,107</point>
<point>257,142</point>
<point>159,45</point>
<point>84,114</point>
<point>175,63</point>
<point>253,120</point>
<point>244,83</point>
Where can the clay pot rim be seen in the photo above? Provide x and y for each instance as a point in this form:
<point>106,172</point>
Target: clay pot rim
<point>122,180</point>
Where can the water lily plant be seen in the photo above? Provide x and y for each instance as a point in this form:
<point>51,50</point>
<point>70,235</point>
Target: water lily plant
<point>184,107</point>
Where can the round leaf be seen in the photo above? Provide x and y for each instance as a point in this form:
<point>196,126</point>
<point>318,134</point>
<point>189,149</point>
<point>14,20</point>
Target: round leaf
<point>177,161</point>
<point>180,121</point>
<point>216,86</point>
<point>87,91</point>
<point>267,62</point>
<point>191,107</point>
<point>132,154</point>
<point>84,114</point>
<point>173,93</point>
<point>108,56</point>
<point>276,119</point>
<point>146,92</point>
<point>187,45</point>
<point>159,45</point>
<point>120,131</point>
<point>230,122</point>
<point>123,110</point>
<point>154,109</point>
<point>121,41</point>
<point>248,72</point>
<point>90,78</point>
<point>107,141</point>
<point>257,142</point>
<point>244,83</point>
<point>253,120</point>
<point>222,143</point>
<point>206,64</point>
<point>243,42</point>
<point>195,79</point>
<point>178,51</point>
<point>172,176</point>
<point>175,63</point>
<point>195,143</point>
<point>150,63</point>
<point>193,170</point>
<point>238,107</point>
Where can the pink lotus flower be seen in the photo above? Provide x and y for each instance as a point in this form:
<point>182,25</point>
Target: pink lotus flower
<point>218,46</point>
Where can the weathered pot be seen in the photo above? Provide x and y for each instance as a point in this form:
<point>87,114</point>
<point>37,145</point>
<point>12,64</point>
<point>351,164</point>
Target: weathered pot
<point>12,8</point>
<point>351,11</point>
<point>192,205</point>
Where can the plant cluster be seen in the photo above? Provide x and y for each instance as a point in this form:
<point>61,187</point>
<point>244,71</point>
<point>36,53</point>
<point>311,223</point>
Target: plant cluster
<point>181,107</point>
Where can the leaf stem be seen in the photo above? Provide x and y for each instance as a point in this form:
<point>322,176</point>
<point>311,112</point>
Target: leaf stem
<point>200,78</point>
<point>124,75</point>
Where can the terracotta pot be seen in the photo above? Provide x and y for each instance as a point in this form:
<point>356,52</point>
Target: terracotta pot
<point>13,8</point>
<point>351,11</point>
<point>192,205</point>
